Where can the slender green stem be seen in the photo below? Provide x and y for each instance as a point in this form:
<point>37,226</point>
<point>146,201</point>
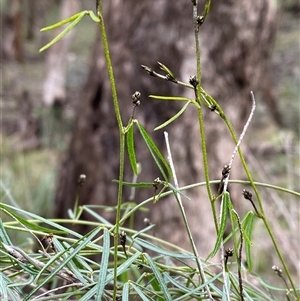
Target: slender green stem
<point>197,43</point>
<point>260,203</point>
<point>200,114</point>
<point>122,143</point>
<point>205,164</point>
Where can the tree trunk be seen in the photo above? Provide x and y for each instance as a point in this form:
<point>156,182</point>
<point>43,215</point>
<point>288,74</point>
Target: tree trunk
<point>236,42</point>
<point>12,39</point>
<point>54,88</point>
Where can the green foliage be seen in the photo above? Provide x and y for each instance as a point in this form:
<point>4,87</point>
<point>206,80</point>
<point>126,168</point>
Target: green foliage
<point>68,267</point>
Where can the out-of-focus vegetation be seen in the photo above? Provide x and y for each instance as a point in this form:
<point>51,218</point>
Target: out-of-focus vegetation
<point>28,175</point>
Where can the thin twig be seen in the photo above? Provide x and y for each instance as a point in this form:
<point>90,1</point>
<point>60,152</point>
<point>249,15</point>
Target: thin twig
<point>178,197</point>
<point>22,256</point>
<point>226,181</point>
<point>240,140</point>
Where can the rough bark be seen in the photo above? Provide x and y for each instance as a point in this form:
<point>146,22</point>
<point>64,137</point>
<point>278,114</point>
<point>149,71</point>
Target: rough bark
<point>236,42</point>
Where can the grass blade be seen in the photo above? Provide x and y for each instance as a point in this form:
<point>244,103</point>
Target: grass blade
<point>104,264</point>
<point>131,149</point>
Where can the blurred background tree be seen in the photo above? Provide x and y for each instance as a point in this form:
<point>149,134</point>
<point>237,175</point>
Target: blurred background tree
<point>237,43</point>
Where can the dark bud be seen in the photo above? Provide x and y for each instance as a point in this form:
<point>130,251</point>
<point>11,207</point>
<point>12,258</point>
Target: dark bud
<point>123,239</point>
<point>247,195</point>
<point>277,270</point>
<point>194,2</point>
<point>225,171</point>
<point>200,20</point>
<point>156,182</point>
<point>213,108</point>
<point>147,221</point>
<point>229,252</point>
<point>171,78</point>
<point>194,81</point>
<point>148,70</point>
<point>81,180</point>
<point>136,98</point>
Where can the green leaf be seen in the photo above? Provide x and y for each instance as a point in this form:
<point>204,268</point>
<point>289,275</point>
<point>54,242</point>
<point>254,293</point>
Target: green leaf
<point>40,219</point>
<point>156,249</point>
<point>248,226</point>
<point>93,16</point>
<point>3,235</point>
<point>27,223</point>
<point>222,226</point>
<point>60,23</point>
<point>104,264</point>
<point>138,185</point>
<point>167,70</point>
<point>169,98</point>
<point>131,149</point>
<point>124,266</point>
<point>206,9</point>
<point>173,117</point>
<point>81,245</point>
<point>155,285</point>
<point>175,191</point>
<point>64,32</point>
<point>155,152</point>
<point>158,277</point>
<point>125,292</point>
<point>139,292</point>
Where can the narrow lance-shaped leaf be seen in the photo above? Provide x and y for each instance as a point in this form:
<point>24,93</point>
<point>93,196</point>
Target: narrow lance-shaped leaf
<point>131,149</point>
<point>169,98</point>
<point>248,226</point>
<point>138,185</point>
<point>159,277</point>
<point>125,292</point>
<point>222,226</point>
<point>155,152</point>
<point>64,32</point>
<point>173,117</point>
<point>29,224</point>
<point>139,292</point>
<point>60,23</point>
<point>167,70</point>
<point>234,222</point>
<point>104,264</point>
